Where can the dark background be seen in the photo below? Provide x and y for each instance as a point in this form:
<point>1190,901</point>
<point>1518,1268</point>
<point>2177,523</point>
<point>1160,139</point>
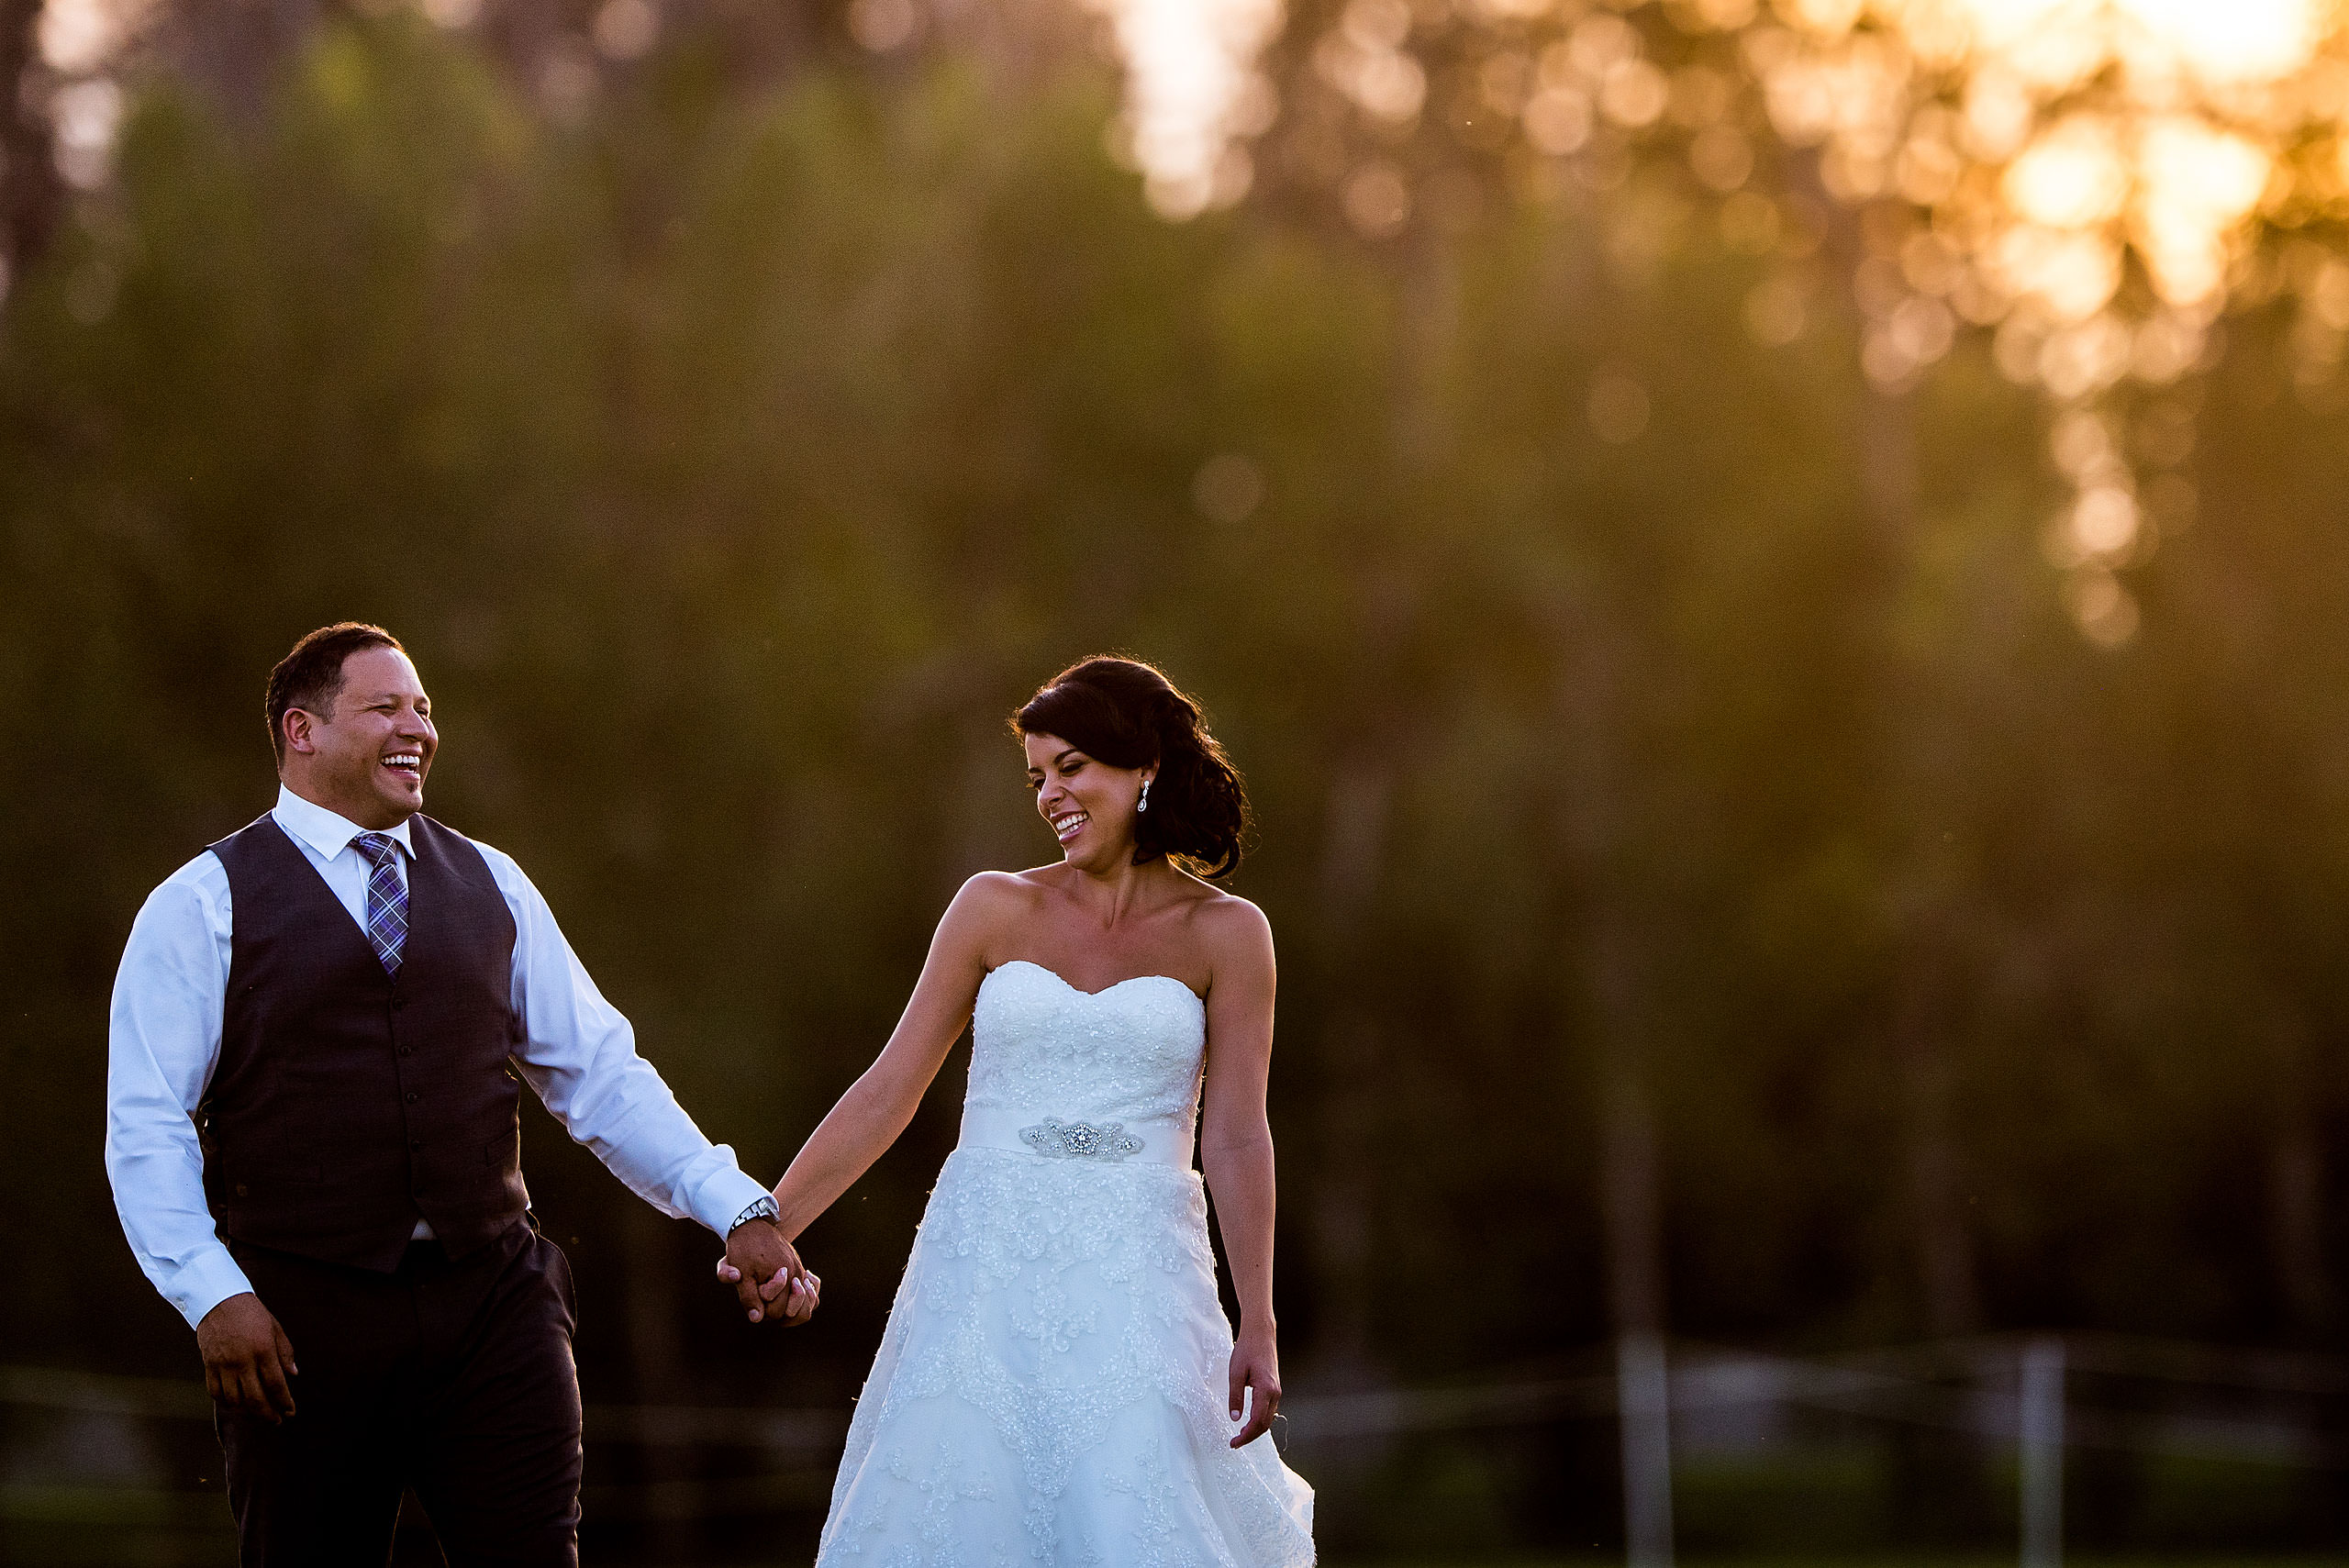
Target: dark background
<point>1718,891</point>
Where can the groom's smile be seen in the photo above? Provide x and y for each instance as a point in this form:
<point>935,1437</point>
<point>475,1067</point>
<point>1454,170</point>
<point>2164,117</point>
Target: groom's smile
<point>364,753</point>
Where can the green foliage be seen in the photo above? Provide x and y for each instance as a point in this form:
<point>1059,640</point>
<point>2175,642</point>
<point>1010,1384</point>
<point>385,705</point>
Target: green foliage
<point>733,465</point>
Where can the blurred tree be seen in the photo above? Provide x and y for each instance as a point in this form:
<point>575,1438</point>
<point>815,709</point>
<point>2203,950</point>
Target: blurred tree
<point>1633,757</point>
<point>34,197</point>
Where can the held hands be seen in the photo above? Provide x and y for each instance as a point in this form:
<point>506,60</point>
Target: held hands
<point>1257,1366</point>
<point>767,1274</point>
<point>248,1360</point>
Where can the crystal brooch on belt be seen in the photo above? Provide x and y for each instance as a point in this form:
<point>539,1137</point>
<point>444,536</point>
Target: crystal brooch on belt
<point>1060,1140</point>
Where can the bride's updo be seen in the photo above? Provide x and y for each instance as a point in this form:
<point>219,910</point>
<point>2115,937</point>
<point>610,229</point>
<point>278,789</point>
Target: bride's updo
<point>1124,713</point>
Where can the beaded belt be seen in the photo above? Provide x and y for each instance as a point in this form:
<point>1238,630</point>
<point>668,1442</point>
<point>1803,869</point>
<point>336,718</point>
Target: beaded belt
<point>1151,1141</point>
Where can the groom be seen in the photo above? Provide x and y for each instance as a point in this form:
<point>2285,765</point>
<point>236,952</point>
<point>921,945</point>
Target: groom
<point>317,1035</point>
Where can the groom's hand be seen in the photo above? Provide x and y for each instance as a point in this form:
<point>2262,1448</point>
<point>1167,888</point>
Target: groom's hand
<point>766,1273</point>
<point>248,1360</point>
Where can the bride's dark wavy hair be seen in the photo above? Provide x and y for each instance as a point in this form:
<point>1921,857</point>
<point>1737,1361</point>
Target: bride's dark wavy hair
<point>1124,713</point>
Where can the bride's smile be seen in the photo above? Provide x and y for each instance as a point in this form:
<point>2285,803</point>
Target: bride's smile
<point>1090,804</point>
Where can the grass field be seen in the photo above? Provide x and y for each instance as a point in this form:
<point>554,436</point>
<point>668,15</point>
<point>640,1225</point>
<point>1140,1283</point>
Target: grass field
<point>95,1527</point>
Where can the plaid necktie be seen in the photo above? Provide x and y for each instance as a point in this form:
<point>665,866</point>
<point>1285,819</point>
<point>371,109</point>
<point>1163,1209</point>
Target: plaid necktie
<point>386,899</point>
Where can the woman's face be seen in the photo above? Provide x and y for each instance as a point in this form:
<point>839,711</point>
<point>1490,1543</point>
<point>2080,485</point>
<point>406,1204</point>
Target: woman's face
<point>1089,805</point>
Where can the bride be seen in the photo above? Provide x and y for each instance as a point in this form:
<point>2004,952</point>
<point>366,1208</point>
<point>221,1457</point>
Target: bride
<point>1058,1383</point>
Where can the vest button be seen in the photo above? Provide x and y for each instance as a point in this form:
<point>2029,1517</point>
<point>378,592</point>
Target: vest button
<point>411,1097</point>
<point>243,1191</point>
<point>416,1144</point>
<point>407,1051</point>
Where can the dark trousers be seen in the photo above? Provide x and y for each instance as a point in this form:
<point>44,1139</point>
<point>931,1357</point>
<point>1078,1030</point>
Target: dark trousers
<point>450,1375</point>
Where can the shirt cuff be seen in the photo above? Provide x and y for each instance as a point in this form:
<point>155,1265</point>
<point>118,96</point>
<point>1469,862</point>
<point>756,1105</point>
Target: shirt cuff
<point>206,1281</point>
<point>727,1193</point>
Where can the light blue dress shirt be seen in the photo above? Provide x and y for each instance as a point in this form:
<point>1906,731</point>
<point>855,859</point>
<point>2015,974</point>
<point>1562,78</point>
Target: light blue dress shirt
<point>577,1053</point>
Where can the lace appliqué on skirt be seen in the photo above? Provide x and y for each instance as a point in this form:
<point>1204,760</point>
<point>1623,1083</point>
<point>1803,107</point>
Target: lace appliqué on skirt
<point>1057,1342</point>
<point>1050,1389</point>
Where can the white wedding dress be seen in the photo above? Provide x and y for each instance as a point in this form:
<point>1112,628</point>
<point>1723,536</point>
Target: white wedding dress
<point>1050,1388</point>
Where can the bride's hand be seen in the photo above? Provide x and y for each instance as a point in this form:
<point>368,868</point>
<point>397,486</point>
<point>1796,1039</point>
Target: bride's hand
<point>1255,1366</point>
<point>798,1297</point>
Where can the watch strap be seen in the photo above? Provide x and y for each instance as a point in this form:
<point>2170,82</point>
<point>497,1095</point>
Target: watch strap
<point>763,1208</point>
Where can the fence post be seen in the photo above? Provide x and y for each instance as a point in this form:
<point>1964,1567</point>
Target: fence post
<point>2041,1453</point>
<point>1643,1401</point>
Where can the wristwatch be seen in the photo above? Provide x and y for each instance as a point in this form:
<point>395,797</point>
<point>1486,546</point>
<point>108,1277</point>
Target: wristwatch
<point>762,1210</point>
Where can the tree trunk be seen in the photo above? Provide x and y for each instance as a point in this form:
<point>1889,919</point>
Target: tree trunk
<point>1942,1476</point>
<point>1340,1199</point>
<point>1343,1193</point>
<point>32,198</point>
<point>2296,1192</point>
<point>1945,1249</point>
<point>1924,1008</point>
<point>1630,1186</point>
<point>1355,829</point>
<point>1609,969</point>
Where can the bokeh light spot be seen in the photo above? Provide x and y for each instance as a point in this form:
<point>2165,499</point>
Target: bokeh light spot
<point>1229,488</point>
<point>883,26</point>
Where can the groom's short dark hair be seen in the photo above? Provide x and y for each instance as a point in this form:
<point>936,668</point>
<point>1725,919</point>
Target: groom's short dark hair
<point>310,677</point>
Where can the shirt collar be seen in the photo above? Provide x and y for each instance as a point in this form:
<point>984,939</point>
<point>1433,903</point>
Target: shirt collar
<point>324,830</point>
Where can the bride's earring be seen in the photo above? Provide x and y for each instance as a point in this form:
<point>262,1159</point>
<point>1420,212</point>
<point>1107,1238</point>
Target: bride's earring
<point>1143,804</point>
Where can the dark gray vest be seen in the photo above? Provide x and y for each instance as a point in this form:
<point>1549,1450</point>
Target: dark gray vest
<point>347,1103</point>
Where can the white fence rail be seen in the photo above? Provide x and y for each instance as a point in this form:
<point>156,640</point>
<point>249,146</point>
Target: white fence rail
<point>2037,1396</point>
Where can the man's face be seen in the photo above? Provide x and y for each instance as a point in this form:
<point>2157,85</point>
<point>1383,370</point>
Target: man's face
<point>366,758</point>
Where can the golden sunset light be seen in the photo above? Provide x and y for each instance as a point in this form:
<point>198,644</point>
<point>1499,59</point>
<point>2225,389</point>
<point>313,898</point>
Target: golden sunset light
<point>1193,94</point>
<point>1677,664</point>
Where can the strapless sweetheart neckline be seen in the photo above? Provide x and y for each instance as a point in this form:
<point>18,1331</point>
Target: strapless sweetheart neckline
<point>1071,986</point>
<point>1051,1387</point>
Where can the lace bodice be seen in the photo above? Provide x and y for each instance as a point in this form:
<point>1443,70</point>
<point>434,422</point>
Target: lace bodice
<point>1050,1388</point>
<point>1132,1053</point>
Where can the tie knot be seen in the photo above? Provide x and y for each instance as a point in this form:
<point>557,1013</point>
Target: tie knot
<point>377,846</point>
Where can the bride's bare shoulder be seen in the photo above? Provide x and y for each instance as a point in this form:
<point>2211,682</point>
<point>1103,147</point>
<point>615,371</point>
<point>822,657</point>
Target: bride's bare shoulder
<point>1229,924</point>
<point>1001,892</point>
<point>994,900</point>
<point>984,910</point>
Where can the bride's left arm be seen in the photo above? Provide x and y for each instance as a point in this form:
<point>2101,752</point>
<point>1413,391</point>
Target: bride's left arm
<point>1236,1146</point>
